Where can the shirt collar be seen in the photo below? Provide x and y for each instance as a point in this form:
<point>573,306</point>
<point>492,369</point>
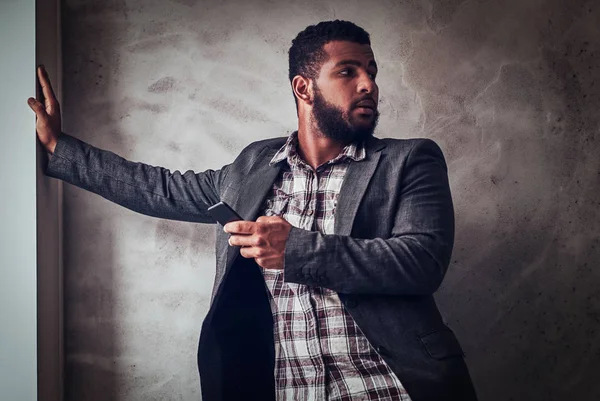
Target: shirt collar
<point>289,152</point>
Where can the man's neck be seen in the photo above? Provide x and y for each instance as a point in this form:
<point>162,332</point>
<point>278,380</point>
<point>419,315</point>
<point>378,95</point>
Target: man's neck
<point>314,147</point>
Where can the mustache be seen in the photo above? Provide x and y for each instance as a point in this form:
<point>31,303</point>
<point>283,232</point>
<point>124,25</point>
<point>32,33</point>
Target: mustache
<point>363,98</point>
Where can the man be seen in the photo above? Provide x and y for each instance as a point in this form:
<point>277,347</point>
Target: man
<point>346,237</point>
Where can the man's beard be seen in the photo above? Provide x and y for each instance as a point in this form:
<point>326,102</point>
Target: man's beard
<point>336,124</point>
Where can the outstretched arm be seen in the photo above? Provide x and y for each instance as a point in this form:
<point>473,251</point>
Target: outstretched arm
<point>153,191</point>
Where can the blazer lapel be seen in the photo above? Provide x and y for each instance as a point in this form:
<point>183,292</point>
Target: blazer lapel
<point>355,184</point>
<point>252,192</point>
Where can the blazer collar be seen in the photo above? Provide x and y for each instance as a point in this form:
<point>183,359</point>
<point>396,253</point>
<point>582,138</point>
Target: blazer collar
<point>261,176</point>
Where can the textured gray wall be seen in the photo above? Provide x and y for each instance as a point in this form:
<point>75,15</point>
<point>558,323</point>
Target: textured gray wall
<point>507,88</point>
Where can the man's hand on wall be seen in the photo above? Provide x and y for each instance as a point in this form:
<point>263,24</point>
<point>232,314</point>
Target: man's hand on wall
<point>48,124</point>
<point>263,239</point>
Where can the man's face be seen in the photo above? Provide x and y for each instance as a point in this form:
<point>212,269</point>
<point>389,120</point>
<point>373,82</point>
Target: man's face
<point>345,93</point>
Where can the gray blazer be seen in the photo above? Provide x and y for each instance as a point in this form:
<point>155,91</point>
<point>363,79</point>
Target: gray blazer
<point>394,233</point>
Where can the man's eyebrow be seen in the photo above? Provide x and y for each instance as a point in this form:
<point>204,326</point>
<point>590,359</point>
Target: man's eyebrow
<point>356,63</point>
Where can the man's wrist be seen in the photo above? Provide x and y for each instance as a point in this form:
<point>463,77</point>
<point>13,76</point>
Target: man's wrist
<point>51,146</point>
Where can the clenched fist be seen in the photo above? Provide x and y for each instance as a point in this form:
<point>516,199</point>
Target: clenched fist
<point>48,124</point>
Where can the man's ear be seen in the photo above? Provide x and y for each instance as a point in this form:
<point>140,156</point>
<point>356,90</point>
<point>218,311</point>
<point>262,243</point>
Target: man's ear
<point>302,88</point>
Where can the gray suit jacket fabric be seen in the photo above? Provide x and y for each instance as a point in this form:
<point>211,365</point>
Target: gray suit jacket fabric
<point>394,233</point>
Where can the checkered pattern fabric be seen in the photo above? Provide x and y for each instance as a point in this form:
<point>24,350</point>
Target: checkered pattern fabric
<point>320,352</point>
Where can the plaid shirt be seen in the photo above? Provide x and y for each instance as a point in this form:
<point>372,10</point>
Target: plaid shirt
<point>320,352</point>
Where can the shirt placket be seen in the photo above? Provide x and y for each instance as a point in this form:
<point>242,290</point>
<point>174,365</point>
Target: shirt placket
<point>308,176</point>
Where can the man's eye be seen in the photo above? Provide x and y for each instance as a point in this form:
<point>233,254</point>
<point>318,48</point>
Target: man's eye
<point>345,72</point>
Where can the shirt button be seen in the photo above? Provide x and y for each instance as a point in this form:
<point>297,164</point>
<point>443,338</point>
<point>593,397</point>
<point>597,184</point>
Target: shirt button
<point>309,213</point>
<point>381,350</point>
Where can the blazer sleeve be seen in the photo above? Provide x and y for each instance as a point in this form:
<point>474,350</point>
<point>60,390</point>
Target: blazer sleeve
<point>150,190</point>
<point>413,261</point>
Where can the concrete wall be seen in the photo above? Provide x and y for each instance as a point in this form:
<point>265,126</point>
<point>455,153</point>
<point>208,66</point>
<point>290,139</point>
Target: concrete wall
<point>18,309</point>
<point>507,88</point>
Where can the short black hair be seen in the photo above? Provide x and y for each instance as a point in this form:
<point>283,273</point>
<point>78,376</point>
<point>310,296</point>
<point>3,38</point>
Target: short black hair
<point>306,54</point>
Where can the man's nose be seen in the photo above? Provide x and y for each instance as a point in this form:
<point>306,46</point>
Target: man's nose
<point>366,84</point>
